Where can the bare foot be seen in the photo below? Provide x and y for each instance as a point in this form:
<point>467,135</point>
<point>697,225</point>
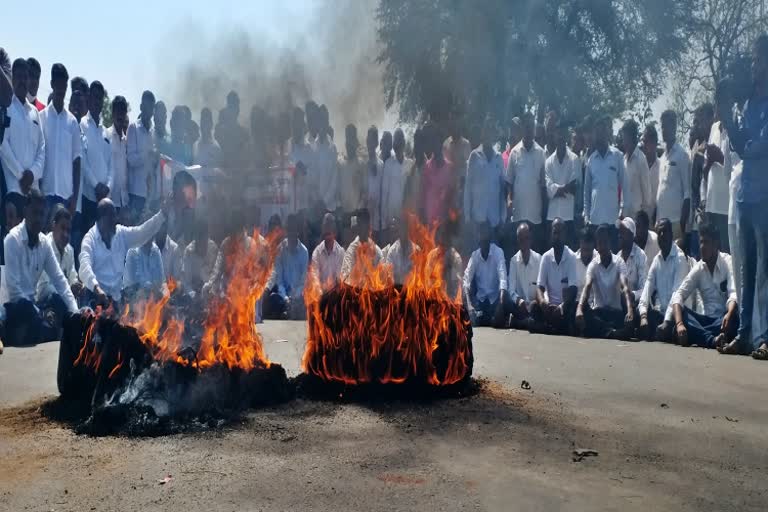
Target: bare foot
<point>730,349</point>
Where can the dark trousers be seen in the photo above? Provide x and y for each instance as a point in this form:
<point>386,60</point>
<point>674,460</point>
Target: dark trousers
<point>703,329</point>
<point>276,307</point>
<point>549,319</point>
<point>88,214</point>
<point>655,319</point>
<point>28,323</point>
<point>601,322</point>
<point>487,314</point>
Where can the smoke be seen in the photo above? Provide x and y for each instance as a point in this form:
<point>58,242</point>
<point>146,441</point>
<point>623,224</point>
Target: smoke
<point>328,55</point>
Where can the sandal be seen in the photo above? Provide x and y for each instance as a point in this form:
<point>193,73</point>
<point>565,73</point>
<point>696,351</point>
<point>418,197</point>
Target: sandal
<point>729,349</point>
<point>761,354</point>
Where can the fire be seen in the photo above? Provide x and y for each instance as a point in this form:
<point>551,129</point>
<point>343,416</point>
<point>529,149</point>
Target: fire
<point>227,333</point>
<point>375,332</point>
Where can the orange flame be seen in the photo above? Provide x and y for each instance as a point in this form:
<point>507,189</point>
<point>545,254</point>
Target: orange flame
<point>375,324</point>
<point>229,334</point>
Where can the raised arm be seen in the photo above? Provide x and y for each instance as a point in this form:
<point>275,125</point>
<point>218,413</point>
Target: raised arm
<point>136,236</point>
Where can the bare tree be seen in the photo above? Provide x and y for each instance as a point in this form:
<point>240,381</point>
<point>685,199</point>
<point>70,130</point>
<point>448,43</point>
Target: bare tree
<point>721,33</point>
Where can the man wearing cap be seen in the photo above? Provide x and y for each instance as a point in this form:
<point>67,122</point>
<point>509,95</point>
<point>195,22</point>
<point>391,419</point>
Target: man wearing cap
<point>633,257</point>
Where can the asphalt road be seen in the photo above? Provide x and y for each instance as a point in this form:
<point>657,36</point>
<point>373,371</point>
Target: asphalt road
<point>674,428</point>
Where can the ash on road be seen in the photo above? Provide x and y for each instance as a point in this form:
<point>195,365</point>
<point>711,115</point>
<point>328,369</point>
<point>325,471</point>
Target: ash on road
<point>674,429</point>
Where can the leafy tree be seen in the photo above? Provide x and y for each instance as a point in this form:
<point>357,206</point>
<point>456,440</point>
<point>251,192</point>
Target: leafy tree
<point>448,57</point>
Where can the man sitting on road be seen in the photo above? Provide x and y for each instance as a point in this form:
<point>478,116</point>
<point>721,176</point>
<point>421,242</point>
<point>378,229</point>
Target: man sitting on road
<point>633,258</point>
<point>400,253</point>
<point>607,278</point>
<point>27,255</point>
<point>328,256</point>
<point>105,247</point>
<point>286,286</point>
<point>361,254</point>
<point>712,277</point>
<point>485,281</point>
<point>557,281</point>
<point>667,272</point>
<point>523,279</point>
<point>59,240</point>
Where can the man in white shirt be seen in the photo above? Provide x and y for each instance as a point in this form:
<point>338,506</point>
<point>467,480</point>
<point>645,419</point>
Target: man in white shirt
<point>400,253</point>
<point>328,256</point>
<point>207,150</point>
<point>302,158</point>
<point>362,255</point>
<point>324,175</point>
<point>105,246</point>
<point>119,147</point>
<point>353,182</point>
<point>720,161</point>
<point>633,257</point>
<point>522,280</point>
<point>526,183</point>
<point>144,274</point>
<point>650,146</point>
<point>584,256</point>
<point>22,152</point>
<point>562,172</point>
<point>97,156</point>
<point>170,252</point>
<point>375,183</point>
<point>484,192</point>
<point>444,262</point>
<point>58,238</point>
<point>557,281</point>
<point>607,280</point>
<point>673,200</point>
<point>666,274</point>
<point>392,185</point>
<point>605,183</point>
<point>636,166</point>
<point>27,256</point>
<point>62,170</point>
<point>485,282</point>
<point>712,277</point>
<point>142,155</point>
<point>646,239</point>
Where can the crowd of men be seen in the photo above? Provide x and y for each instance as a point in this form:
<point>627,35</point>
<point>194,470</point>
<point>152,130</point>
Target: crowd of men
<point>549,228</point>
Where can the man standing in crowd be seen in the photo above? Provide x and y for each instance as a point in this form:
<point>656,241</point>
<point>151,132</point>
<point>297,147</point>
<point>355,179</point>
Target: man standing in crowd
<point>353,182</point>
<point>562,173</point>
<point>286,298</point>
<point>525,182</point>
<point>33,84</point>
<point>58,238</point>
<point>667,272</point>
<point>484,192</point>
<point>650,146</point>
<point>605,183</point>
<point>646,239</point>
<point>456,150</point>
<point>375,182</point>
<point>638,197</point>
<point>97,156</point>
<point>302,159</point>
<point>720,161</point>
<point>142,155</point>
<point>438,180</point>
<point>325,172</point>
<point>207,150</point>
<point>105,246</point>
<point>750,140</point>
<point>522,280</point>
<point>63,148</point>
<point>712,277</point>
<point>485,281</point>
<point>118,143</point>
<point>673,200</point>
<point>22,152</point>
<point>392,186</point>
<point>328,256</point>
<point>27,256</point>
<point>557,281</point>
<point>607,280</point>
<point>362,254</point>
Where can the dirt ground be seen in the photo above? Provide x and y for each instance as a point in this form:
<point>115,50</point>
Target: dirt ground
<point>674,429</point>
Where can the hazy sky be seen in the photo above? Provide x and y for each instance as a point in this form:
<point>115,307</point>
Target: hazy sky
<point>125,44</point>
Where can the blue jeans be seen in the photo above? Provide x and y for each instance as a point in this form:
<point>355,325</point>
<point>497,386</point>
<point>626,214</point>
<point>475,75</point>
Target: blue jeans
<point>26,324</point>
<point>753,238</point>
<point>703,329</point>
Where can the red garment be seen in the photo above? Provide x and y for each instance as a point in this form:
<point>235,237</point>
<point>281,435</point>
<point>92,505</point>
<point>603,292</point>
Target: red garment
<point>505,157</point>
<point>39,106</point>
<point>437,190</point>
